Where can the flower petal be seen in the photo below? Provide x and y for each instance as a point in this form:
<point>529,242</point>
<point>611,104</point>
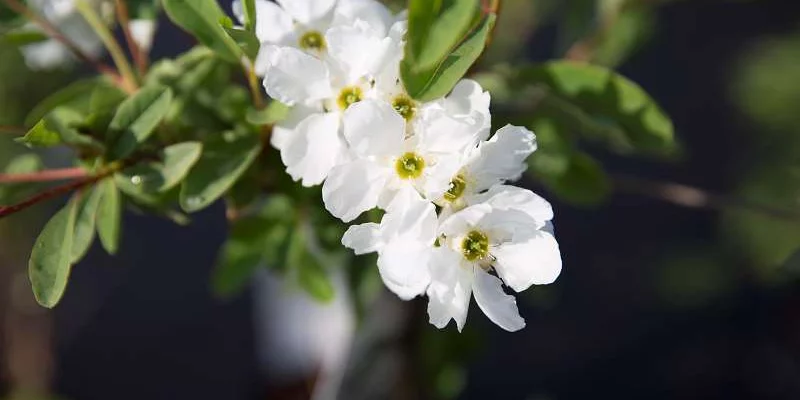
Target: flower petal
<point>461,222</point>
<point>495,303</point>
<point>347,12</point>
<point>358,49</point>
<point>450,289</point>
<point>536,261</point>
<point>409,217</point>
<point>307,11</point>
<point>273,24</point>
<point>468,99</point>
<point>507,197</point>
<point>313,149</point>
<point>502,158</point>
<point>373,128</point>
<point>353,188</point>
<point>363,239</point>
<point>292,76</point>
<point>403,265</point>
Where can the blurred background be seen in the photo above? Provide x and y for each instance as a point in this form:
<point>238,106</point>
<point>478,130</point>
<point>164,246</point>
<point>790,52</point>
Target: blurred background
<point>681,278</point>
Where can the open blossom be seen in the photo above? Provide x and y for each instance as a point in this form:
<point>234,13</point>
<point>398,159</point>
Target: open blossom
<point>404,242</point>
<point>64,15</point>
<point>303,24</point>
<point>481,239</point>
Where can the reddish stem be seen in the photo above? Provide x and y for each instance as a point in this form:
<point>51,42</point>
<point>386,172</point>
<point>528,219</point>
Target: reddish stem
<point>44,176</point>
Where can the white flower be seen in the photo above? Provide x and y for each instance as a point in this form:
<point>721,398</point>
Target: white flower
<point>321,90</point>
<point>143,32</point>
<point>303,24</point>
<point>386,159</point>
<point>493,162</point>
<point>404,240</point>
<point>480,239</point>
<point>64,15</point>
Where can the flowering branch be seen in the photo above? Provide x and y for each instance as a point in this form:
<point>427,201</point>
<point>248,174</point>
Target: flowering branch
<point>55,34</point>
<point>44,176</point>
<point>139,56</point>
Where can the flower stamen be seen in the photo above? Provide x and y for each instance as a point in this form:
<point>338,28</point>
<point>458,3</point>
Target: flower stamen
<point>312,40</point>
<point>410,166</point>
<point>475,246</point>
<point>349,96</point>
<point>405,106</point>
<point>457,187</point>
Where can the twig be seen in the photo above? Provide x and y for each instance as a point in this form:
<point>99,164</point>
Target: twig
<point>13,130</point>
<point>54,33</point>
<point>692,197</point>
<point>111,44</point>
<point>252,83</point>
<point>139,56</point>
<point>67,188</point>
<point>44,176</point>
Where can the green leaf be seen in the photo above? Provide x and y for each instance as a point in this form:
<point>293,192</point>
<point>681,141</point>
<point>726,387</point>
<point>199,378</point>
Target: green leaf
<point>161,176</point>
<point>202,19</point>
<point>582,180</point>
<point>40,136</point>
<point>75,96</point>
<point>273,113</point>
<point>435,27</point>
<point>255,241</point>
<point>85,223</point>
<point>109,216</point>
<point>225,158</point>
<point>311,275</point>
<point>49,264</point>
<point>24,36</point>
<point>21,164</point>
<point>620,111</point>
<point>137,117</point>
<point>246,40</point>
<point>437,82</point>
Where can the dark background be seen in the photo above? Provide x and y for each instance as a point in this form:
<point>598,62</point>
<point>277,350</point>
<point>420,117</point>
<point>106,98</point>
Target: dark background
<point>655,300</point>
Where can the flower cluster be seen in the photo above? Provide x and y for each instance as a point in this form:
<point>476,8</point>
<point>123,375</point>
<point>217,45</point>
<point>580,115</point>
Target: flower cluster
<point>452,228</point>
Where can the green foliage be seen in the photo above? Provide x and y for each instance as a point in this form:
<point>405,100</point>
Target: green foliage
<point>160,176</point>
<point>225,158</point>
<point>250,17</point>
<point>136,119</point>
<point>24,36</point>
<point>246,40</point>
<point>21,164</point>
<point>274,112</point>
<point>109,216</point>
<point>85,222</point>
<point>602,105</point>
<point>75,96</point>
<point>432,83</point>
<point>435,27</point>
<point>50,261</point>
<point>202,18</point>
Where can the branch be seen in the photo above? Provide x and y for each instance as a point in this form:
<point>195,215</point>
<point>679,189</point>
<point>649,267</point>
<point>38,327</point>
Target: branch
<point>113,168</point>
<point>13,130</point>
<point>252,83</point>
<point>692,197</point>
<point>55,34</point>
<point>111,44</point>
<point>139,57</point>
<point>44,176</point>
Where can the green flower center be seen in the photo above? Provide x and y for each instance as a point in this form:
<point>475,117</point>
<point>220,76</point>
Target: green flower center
<point>457,186</point>
<point>312,40</point>
<point>410,166</point>
<point>475,246</point>
<point>405,106</point>
<point>349,96</point>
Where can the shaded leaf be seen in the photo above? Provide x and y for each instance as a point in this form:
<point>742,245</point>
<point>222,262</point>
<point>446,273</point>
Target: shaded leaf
<point>202,19</point>
<point>109,216</point>
<point>161,176</point>
<point>49,264</point>
<point>225,158</point>
<point>74,96</point>
<point>246,40</point>
<point>85,223</point>
<point>137,117</point>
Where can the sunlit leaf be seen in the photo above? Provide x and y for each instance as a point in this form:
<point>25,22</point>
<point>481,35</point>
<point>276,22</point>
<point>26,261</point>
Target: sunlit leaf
<point>438,81</point>
<point>160,176</point>
<point>273,113</point>
<point>435,27</point>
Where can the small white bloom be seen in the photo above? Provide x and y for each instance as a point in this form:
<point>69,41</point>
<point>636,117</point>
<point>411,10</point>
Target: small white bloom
<point>493,162</point>
<point>143,31</point>
<point>481,239</point>
<point>403,240</point>
<point>386,160</point>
